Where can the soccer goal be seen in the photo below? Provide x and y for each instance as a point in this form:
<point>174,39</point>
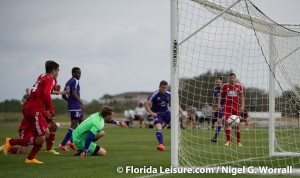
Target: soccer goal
<point>217,37</point>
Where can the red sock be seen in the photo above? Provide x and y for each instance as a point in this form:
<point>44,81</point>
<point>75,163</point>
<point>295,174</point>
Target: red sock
<point>14,150</point>
<point>22,141</point>
<point>227,132</point>
<point>34,151</point>
<point>50,141</point>
<point>238,135</point>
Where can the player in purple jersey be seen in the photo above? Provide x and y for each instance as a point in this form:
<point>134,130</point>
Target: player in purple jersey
<point>159,110</point>
<point>218,113</point>
<point>74,106</point>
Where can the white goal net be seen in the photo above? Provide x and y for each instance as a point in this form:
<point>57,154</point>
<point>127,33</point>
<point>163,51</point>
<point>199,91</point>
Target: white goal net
<point>217,37</point>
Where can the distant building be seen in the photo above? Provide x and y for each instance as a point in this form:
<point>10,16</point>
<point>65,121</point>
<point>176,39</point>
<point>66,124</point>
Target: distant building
<point>127,97</point>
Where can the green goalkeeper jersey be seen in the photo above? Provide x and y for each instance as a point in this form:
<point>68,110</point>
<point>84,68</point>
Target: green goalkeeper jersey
<point>94,123</point>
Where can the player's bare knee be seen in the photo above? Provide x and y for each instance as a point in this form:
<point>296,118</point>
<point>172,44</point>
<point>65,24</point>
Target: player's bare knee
<point>47,133</point>
<point>101,152</point>
<point>40,140</point>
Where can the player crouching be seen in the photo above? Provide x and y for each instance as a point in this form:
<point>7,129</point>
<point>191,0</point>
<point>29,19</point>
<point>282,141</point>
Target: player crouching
<point>91,129</point>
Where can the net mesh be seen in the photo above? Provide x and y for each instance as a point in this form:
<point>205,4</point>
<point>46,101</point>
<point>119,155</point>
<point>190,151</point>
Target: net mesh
<point>243,40</point>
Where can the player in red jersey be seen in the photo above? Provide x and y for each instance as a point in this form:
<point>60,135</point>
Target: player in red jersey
<point>33,112</point>
<point>234,97</point>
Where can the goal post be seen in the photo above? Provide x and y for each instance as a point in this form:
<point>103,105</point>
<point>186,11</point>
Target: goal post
<point>217,37</point>
<point>174,83</point>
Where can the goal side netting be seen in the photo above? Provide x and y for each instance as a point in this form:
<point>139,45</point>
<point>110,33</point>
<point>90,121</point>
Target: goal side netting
<point>218,37</point>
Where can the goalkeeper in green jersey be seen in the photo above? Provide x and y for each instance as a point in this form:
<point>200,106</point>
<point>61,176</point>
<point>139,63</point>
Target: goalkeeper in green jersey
<point>90,130</point>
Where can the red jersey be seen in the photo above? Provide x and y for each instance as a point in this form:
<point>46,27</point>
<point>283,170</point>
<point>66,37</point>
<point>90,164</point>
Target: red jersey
<point>231,93</point>
<point>40,94</point>
<point>43,75</point>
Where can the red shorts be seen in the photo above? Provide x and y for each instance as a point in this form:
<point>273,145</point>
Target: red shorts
<point>231,110</point>
<point>36,121</point>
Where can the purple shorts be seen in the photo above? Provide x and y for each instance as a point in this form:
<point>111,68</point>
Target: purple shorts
<point>76,115</point>
<point>163,117</point>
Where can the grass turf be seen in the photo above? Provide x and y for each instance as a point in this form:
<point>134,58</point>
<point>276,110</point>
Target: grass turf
<point>125,147</point>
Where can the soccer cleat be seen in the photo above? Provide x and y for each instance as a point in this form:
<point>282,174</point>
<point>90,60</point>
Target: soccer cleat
<point>227,143</point>
<point>6,147</point>
<point>52,152</point>
<point>240,144</point>
<point>213,140</point>
<point>161,147</point>
<point>64,148</point>
<point>1,148</point>
<point>71,145</point>
<point>34,161</point>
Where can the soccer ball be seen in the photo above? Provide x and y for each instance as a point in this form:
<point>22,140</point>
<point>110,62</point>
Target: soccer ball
<point>233,120</point>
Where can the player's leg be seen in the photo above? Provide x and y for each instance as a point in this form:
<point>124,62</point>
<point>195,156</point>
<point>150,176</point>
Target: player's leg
<point>220,121</point>
<point>95,150</point>
<point>193,121</point>
<point>158,129</point>
<point>208,122</point>
<point>23,141</point>
<point>237,131</point>
<point>36,124</point>
<point>141,120</point>
<point>247,123</point>
<point>227,128</point>
<point>50,140</point>
<point>99,151</point>
<point>75,117</point>
<point>26,134</point>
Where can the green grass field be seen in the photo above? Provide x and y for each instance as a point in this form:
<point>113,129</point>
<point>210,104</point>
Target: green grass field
<point>125,147</point>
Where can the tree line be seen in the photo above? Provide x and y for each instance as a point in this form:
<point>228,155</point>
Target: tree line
<point>195,91</point>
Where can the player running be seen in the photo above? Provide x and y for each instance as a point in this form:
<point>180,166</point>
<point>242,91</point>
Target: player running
<point>74,106</point>
<point>160,111</point>
<point>218,113</point>
<point>90,130</point>
<point>40,98</point>
<point>233,93</point>
<point>26,133</point>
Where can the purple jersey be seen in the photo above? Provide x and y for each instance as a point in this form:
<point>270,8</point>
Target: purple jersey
<point>217,91</point>
<point>160,101</point>
<point>73,104</point>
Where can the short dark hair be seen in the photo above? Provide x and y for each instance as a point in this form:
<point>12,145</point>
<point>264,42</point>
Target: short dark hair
<point>232,74</point>
<point>163,82</point>
<point>106,111</point>
<point>218,77</point>
<point>75,69</point>
<point>50,66</point>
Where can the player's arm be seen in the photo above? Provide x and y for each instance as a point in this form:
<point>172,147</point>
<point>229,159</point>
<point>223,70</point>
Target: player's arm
<point>119,123</point>
<point>57,91</point>
<point>147,107</point>
<point>47,96</point>
<point>74,93</point>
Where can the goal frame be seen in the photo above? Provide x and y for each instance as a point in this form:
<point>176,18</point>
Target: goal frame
<point>174,43</point>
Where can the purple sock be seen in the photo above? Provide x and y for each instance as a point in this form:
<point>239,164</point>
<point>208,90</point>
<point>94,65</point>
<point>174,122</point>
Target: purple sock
<point>67,137</point>
<point>159,137</point>
<point>217,131</point>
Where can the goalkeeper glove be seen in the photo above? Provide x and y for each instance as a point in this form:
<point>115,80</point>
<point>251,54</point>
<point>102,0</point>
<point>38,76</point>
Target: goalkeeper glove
<point>121,124</point>
<point>84,153</point>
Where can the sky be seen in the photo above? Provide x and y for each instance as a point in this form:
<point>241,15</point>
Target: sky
<point>120,45</point>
